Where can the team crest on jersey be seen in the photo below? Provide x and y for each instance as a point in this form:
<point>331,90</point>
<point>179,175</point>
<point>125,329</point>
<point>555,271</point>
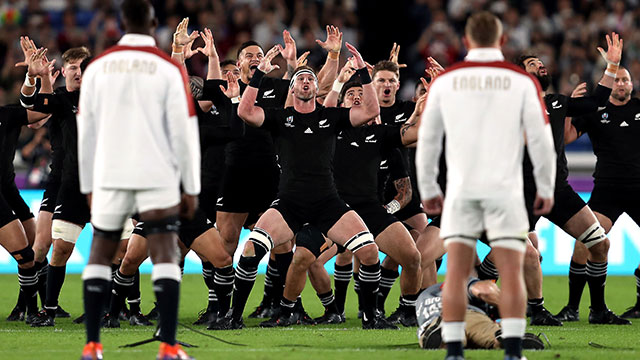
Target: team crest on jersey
<point>605,118</point>
<point>371,139</point>
<point>637,117</point>
<point>214,110</point>
<point>323,124</point>
<point>269,94</point>
<point>289,122</point>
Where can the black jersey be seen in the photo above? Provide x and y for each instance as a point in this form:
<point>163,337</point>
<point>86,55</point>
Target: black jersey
<point>255,148</point>
<point>305,145</point>
<point>558,108</point>
<point>398,113</point>
<point>392,168</point>
<point>12,118</point>
<point>218,126</point>
<point>359,152</point>
<point>63,105</point>
<point>615,136</point>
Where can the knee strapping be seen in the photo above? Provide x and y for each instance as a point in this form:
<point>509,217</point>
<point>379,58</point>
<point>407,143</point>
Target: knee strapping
<point>359,241</point>
<point>593,235</point>
<point>170,224</point>
<point>65,230</point>
<point>261,237</point>
<point>23,256</point>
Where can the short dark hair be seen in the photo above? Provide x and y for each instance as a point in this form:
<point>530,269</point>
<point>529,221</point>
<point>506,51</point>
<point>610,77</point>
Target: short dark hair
<point>137,13</point>
<point>350,84</point>
<point>227,62</point>
<point>74,54</point>
<point>246,44</point>
<point>387,65</point>
<point>524,57</point>
<point>483,28</point>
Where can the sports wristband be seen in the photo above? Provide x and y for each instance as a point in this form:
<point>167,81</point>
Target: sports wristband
<point>365,78</point>
<point>27,82</point>
<point>393,206</point>
<point>177,53</point>
<point>256,79</point>
<point>337,86</point>
<point>235,100</point>
<point>611,70</point>
<point>334,55</point>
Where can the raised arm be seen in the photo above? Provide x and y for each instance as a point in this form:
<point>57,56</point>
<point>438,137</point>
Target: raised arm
<point>370,108</point>
<point>409,130</point>
<point>289,53</point>
<point>247,109</point>
<point>570,131</point>
<point>612,56</point>
<point>329,71</point>
<point>346,73</point>
<point>209,50</point>
<point>182,41</point>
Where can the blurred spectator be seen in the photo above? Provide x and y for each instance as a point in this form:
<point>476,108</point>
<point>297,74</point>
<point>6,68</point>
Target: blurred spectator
<point>563,33</point>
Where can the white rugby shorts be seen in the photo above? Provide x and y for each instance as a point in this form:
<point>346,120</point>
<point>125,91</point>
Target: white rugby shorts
<point>503,218</point>
<point>111,207</point>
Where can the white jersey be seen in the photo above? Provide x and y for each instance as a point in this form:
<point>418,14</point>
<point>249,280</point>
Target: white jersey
<point>486,107</point>
<point>137,125</point>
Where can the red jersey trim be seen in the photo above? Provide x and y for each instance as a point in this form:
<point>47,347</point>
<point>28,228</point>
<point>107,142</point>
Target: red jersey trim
<point>154,50</point>
<point>502,65</point>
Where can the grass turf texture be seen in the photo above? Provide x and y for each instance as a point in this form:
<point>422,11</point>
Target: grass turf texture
<point>344,341</point>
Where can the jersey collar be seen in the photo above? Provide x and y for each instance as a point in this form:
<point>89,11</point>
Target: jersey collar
<point>137,40</point>
<point>484,55</point>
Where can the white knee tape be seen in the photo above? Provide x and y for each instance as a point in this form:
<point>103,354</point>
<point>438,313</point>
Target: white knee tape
<point>261,236</point>
<point>128,229</point>
<point>65,230</point>
<point>593,235</point>
<point>359,241</point>
<point>519,245</point>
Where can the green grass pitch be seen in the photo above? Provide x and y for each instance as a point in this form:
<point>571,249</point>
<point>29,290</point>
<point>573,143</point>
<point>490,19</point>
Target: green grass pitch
<point>344,341</point>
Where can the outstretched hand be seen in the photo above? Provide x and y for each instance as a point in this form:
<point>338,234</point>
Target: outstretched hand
<point>265,63</point>
<point>358,61</point>
<point>181,37</point>
<point>233,88</point>
<point>614,49</point>
<point>333,43</point>
<point>28,48</point>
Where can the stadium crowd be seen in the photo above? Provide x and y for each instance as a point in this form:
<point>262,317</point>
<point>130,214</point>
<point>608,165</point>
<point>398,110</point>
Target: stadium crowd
<point>320,96</point>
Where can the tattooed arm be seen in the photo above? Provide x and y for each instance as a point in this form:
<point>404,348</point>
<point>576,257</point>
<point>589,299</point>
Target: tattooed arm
<point>403,196</point>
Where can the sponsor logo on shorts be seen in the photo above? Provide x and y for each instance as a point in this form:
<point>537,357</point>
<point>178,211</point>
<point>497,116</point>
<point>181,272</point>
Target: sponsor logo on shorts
<point>269,94</point>
<point>58,207</point>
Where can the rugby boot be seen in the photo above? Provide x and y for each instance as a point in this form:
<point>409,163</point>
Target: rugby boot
<point>172,352</point>
<point>568,314</point>
<point>543,317</point>
<point>92,351</point>
<point>606,316</point>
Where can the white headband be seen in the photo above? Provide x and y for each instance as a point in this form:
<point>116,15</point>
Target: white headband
<point>301,72</point>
